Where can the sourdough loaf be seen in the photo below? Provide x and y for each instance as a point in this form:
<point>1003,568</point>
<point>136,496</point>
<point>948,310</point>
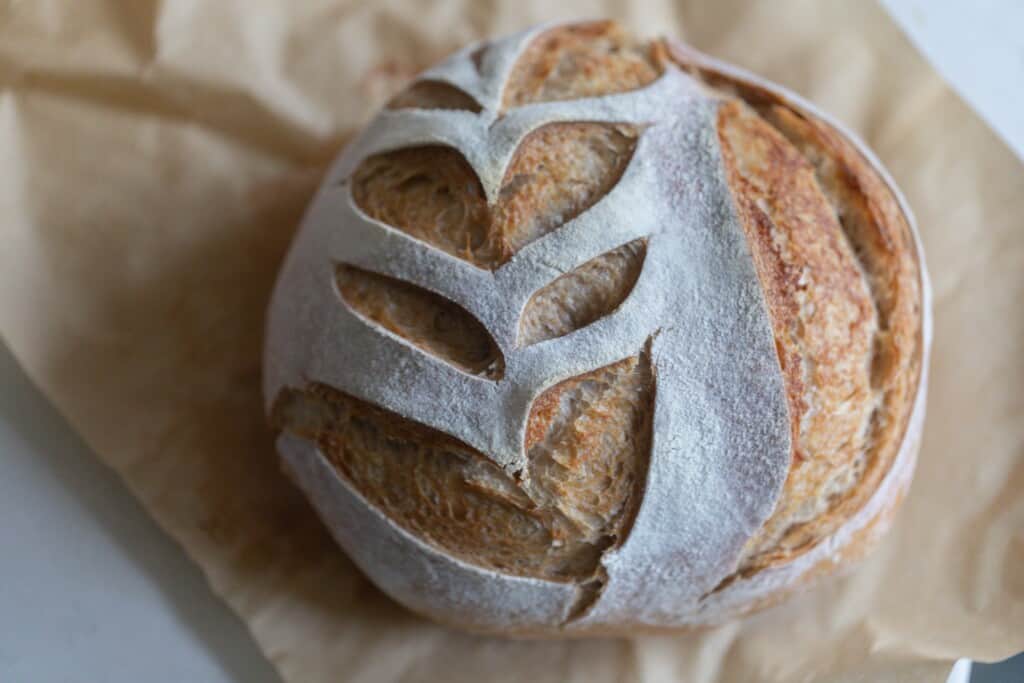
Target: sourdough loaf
<point>585,334</point>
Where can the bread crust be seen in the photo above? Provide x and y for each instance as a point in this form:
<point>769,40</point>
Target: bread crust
<point>574,61</point>
<point>822,315</point>
<point>802,242</point>
<point>878,278</point>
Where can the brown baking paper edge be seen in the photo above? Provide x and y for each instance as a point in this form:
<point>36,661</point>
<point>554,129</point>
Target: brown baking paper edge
<point>157,159</point>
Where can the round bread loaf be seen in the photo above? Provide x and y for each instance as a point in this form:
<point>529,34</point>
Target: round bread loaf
<point>584,334</point>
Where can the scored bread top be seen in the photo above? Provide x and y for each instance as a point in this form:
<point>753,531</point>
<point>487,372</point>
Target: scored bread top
<point>830,251</point>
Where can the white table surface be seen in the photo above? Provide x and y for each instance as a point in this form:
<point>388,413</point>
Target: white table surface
<point>91,591</point>
<point>978,47</point>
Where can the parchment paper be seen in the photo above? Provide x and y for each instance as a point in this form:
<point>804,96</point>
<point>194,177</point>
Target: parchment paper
<point>156,158</point>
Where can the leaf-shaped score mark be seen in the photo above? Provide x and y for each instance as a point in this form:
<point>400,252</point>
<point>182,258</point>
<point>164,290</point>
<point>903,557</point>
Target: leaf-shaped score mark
<point>559,171</point>
<point>433,95</point>
<point>428,321</point>
<point>588,59</point>
<point>436,487</point>
<point>583,295</point>
<point>431,192</point>
<point>588,445</point>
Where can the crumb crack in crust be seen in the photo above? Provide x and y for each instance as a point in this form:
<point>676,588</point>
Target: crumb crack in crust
<point>847,314</point>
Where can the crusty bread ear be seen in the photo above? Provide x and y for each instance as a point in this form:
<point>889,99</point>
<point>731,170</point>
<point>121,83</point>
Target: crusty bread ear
<point>839,267</point>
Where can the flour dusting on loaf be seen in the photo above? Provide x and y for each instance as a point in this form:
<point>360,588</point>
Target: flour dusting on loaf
<point>585,334</point>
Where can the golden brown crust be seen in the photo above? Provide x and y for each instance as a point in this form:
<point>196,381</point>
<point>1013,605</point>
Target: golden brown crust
<point>557,308</point>
<point>433,95</point>
<point>428,321</point>
<point>857,547</point>
<point>434,486</point>
<point>832,474</point>
<point>830,245</point>
<point>432,193</point>
<point>587,438</point>
<point>875,225</point>
<point>821,311</point>
<point>582,60</point>
<point>843,559</point>
<point>558,172</point>
<point>587,448</point>
<point>586,464</point>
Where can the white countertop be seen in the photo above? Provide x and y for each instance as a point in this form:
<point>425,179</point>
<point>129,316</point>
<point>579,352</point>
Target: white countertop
<point>90,590</point>
<point>978,47</point>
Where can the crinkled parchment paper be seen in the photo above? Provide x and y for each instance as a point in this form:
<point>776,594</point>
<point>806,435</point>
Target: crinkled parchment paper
<point>156,159</point>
